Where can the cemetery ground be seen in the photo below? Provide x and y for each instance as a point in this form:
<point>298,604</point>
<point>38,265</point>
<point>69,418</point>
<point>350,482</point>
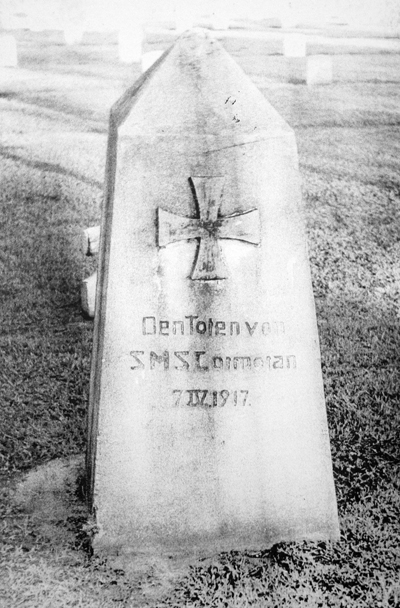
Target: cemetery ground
<point>53,146</point>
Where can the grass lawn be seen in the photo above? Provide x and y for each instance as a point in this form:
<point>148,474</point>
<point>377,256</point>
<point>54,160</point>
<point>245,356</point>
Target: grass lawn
<point>54,111</point>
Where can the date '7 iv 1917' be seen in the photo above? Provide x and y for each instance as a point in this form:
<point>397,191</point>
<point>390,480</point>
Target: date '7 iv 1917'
<point>206,398</point>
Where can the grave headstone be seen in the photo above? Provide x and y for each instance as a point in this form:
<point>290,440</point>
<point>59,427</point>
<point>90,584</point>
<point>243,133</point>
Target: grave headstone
<point>183,23</point>
<point>149,58</point>
<point>319,69</point>
<point>91,240</point>
<point>88,295</point>
<point>130,43</point>
<point>207,421</point>
<point>90,246</point>
<point>294,45</point>
<point>8,51</point>
<point>184,18</point>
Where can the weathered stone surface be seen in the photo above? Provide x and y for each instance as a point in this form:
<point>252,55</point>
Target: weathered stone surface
<point>207,420</point>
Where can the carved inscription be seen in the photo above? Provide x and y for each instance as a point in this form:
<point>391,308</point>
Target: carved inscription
<point>164,360</point>
<point>201,361</point>
<point>192,325</point>
<point>206,398</point>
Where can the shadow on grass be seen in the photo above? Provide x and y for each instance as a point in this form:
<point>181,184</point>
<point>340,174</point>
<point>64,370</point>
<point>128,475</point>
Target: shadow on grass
<point>49,167</point>
<point>87,120</point>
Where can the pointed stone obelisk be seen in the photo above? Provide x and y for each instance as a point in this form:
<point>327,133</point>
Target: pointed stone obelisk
<point>207,421</point>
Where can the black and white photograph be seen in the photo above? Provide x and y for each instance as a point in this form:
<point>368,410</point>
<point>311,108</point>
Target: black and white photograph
<point>200,303</point>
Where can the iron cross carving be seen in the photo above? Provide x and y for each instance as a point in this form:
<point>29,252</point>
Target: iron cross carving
<point>208,228</point>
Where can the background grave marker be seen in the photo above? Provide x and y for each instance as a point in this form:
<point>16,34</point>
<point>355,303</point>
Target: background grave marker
<point>208,427</point>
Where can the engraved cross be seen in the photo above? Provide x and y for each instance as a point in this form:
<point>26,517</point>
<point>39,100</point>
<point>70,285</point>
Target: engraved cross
<point>208,228</point>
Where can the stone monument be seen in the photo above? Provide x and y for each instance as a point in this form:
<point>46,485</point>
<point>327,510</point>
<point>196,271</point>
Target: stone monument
<point>207,421</point>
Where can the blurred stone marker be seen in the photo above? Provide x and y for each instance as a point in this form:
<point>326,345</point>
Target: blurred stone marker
<point>288,16</point>
<point>294,45</point>
<point>130,43</point>
<point>319,69</point>
<point>90,246</point>
<point>88,295</point>
<point>149,58</point>
<point>8,51</point>
<point>207,421</point>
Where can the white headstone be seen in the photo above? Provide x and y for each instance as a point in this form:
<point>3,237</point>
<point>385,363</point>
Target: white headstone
<point>208,428</point>
<point>288,20</point>
<point>130,44</point>
<point>149,58</point>
<point>8,51</point>
<point>294,45</point>
<point>319,69</point>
